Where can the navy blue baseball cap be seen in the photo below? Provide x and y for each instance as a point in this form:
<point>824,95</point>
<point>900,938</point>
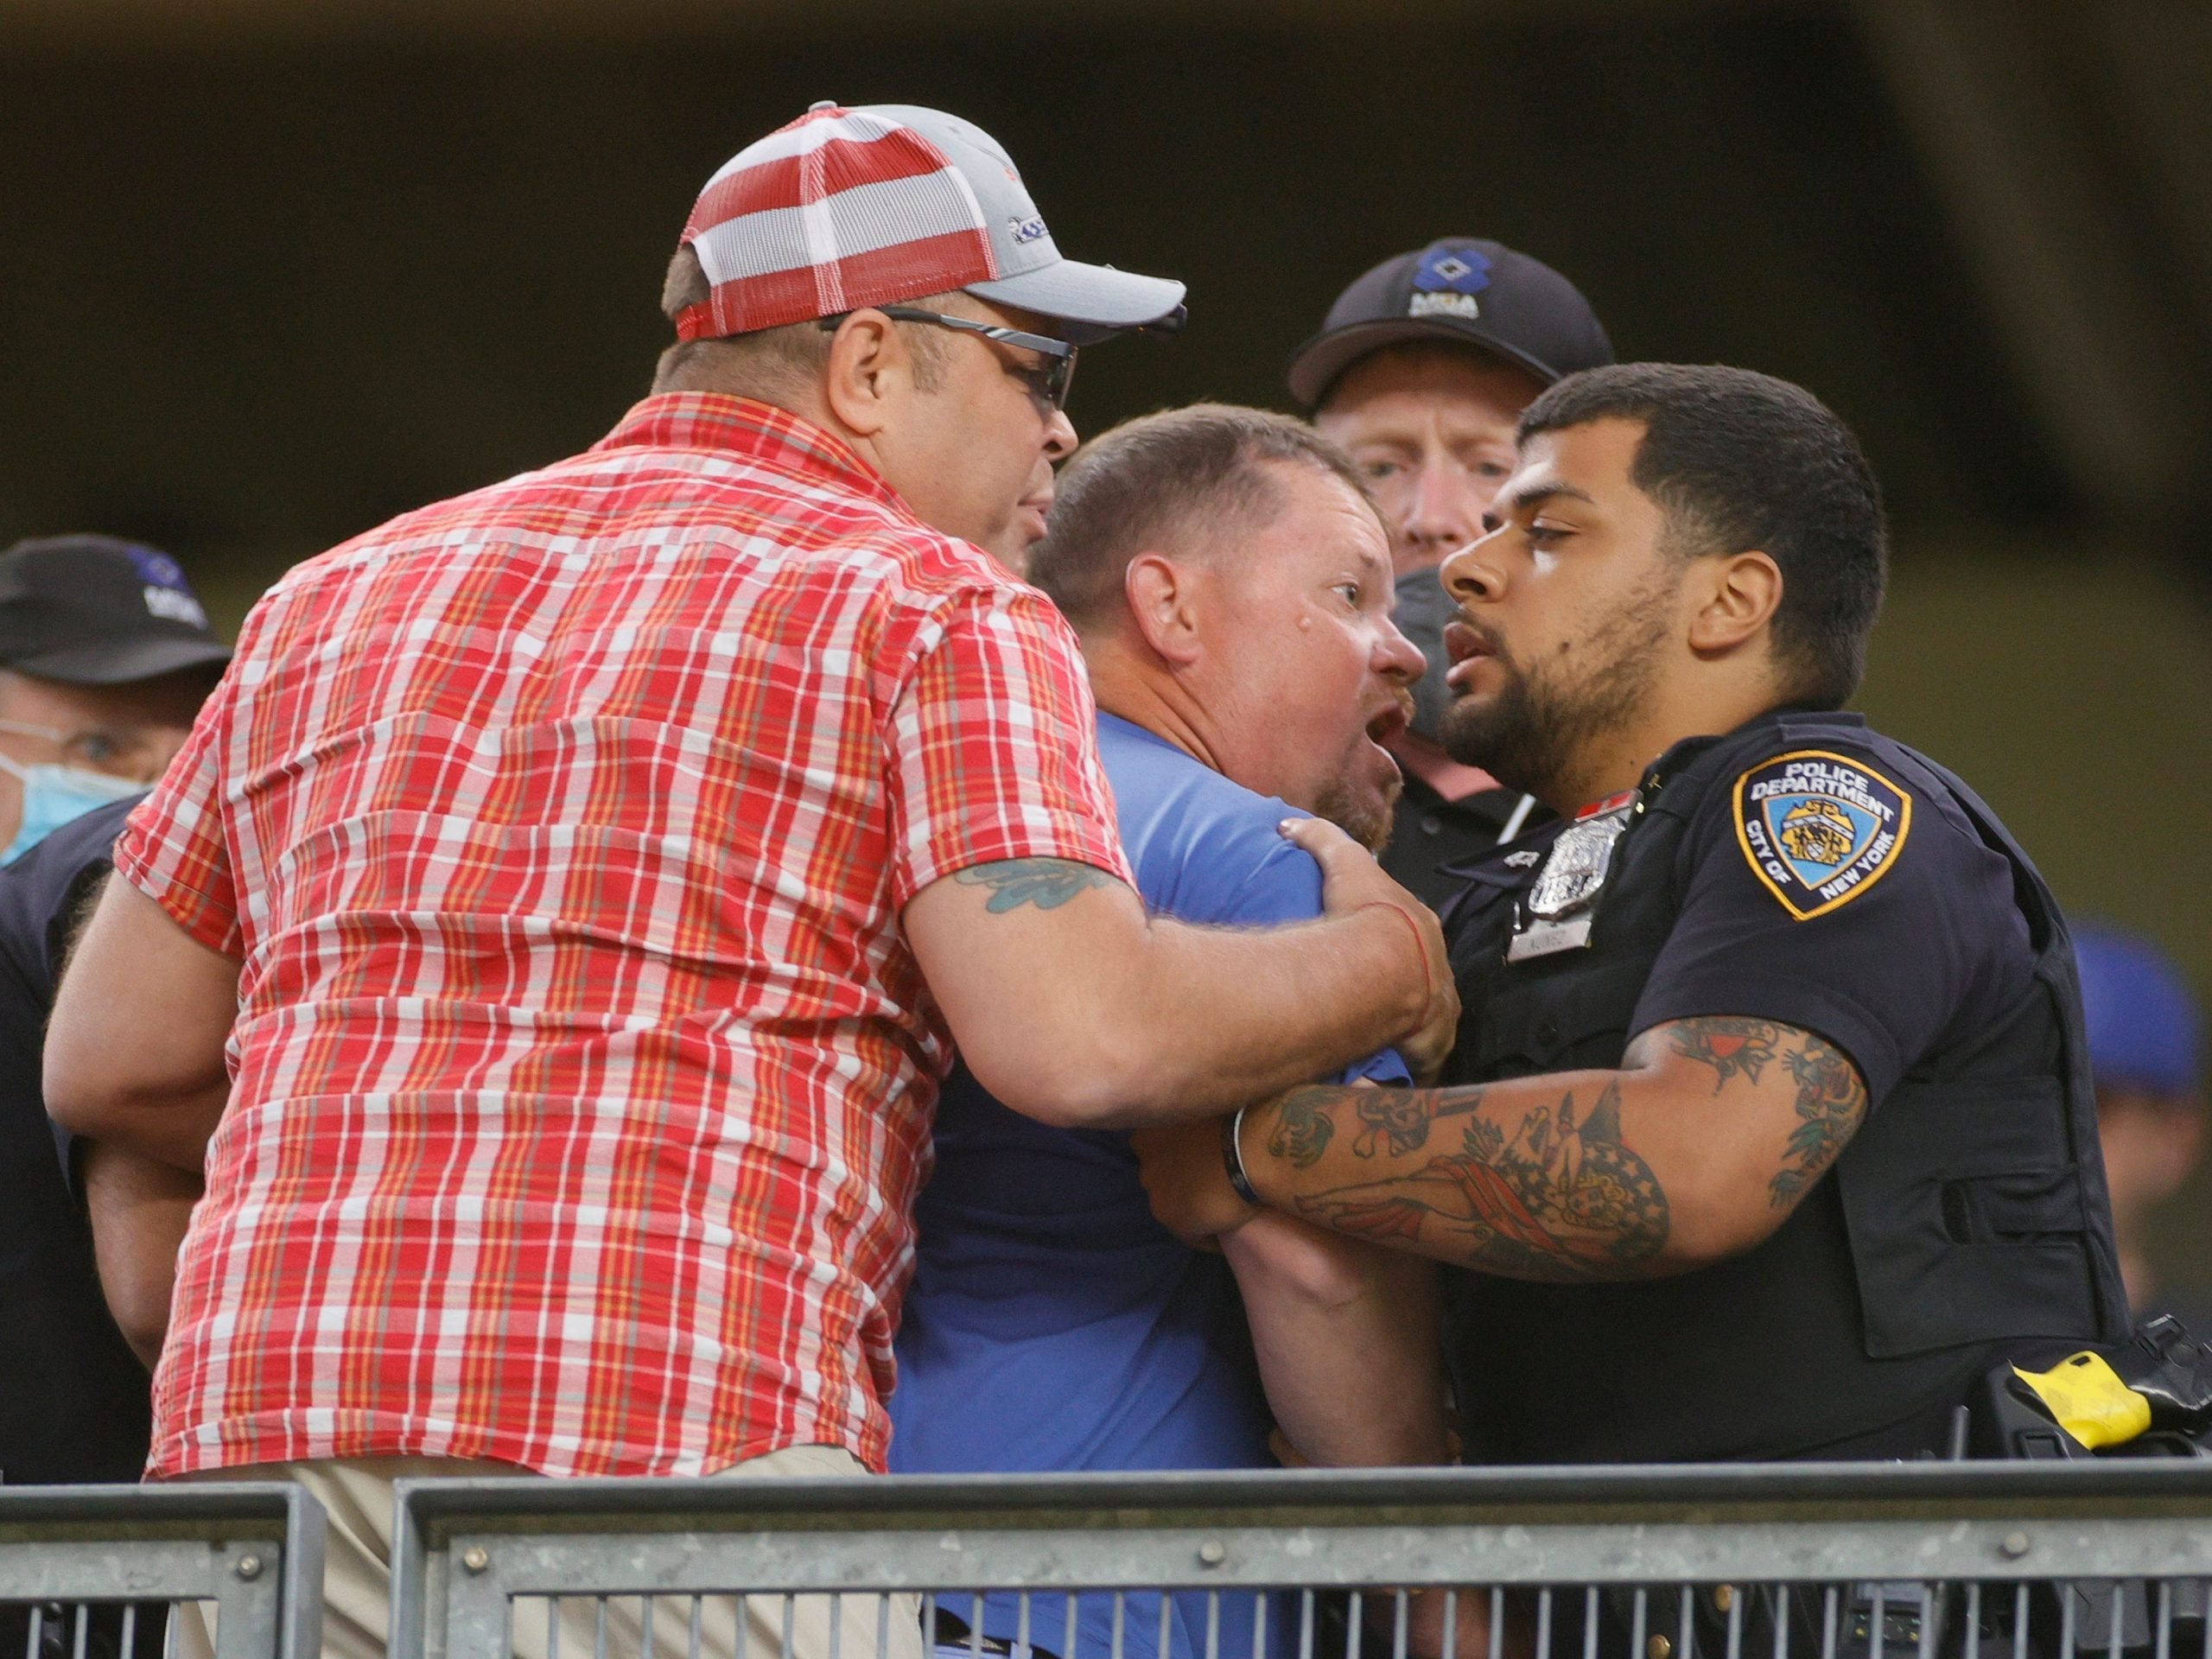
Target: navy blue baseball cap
<point>91,610</point>
<point>2146,1032</point>
<point>1461,288</point>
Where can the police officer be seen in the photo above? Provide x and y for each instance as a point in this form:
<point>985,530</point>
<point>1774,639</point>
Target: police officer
<point>1419,372</point>
<point>1772,1119</point>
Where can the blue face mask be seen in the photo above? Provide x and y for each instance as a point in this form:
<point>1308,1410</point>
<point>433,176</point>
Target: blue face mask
<point>55,795</point>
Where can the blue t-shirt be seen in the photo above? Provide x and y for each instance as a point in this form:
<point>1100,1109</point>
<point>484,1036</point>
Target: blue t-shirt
<point>1053,1324</point>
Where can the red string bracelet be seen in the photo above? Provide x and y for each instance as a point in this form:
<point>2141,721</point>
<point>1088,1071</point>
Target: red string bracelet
<point>1420,945</point>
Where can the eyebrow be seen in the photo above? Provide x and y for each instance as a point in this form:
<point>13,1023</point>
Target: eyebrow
<point>1539,494</point>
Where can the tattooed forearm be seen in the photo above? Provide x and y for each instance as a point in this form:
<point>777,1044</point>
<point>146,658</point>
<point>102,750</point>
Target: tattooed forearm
<point>1733,1120</point>
<point>1558,1196</point>
<point>1048,883</point>
<point>1831,1102</point>
<point>1399,1115</point>
<point>1732,1047</point>
<point>1392,1119</point>
<point>1303,1126</point>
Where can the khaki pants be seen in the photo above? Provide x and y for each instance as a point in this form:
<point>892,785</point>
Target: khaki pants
<point>356,1495</point>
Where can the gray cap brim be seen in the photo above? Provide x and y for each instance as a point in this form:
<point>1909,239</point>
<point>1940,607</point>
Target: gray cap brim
<point>1097,301</point>
<point>1322,358</point>
<point>120,664</point>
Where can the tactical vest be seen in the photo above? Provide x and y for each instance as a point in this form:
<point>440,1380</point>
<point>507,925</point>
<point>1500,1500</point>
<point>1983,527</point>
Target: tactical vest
<point>1969,1210</point>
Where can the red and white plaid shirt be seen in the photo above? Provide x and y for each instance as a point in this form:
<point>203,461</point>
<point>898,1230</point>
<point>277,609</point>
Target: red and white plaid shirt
<point>583,1076</point>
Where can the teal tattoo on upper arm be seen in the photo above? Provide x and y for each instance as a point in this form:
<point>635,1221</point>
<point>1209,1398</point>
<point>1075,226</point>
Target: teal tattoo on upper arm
<point>1048,883</point>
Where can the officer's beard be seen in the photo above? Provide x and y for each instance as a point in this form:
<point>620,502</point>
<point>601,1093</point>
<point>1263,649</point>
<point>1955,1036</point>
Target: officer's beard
<point>1530,733</point>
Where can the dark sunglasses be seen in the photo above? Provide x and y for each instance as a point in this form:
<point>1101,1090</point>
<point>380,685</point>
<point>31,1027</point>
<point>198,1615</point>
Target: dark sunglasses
<point>1048,381</point>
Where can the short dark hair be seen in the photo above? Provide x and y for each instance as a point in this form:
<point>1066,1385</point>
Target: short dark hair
<point>1151,479</point>
<point>1738,459</point>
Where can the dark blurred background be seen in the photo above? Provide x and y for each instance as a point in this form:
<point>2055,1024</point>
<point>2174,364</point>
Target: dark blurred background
<point>271,270</point>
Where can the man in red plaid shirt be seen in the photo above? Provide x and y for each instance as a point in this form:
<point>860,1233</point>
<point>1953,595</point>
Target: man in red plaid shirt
<point>564,911</point>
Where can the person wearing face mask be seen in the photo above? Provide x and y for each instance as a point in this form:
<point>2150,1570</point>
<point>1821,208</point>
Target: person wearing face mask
<point>1420,371</point>
<point>636,839</point>
<point>104,657</point>
<point>1771,1126</point>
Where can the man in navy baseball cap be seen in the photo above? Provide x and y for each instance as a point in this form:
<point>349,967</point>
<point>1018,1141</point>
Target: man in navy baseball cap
<point>1421,369</point>
<point>2147,1047</point>
<point>105,657</point>
<point>1460,290</point>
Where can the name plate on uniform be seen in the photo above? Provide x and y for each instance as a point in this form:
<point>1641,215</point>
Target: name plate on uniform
<point>1563,904</point>
<point>1542,938</point>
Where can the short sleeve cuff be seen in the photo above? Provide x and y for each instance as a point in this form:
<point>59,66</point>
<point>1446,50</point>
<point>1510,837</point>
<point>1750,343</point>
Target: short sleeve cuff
<point>208,919</point>
<point>993,748</point>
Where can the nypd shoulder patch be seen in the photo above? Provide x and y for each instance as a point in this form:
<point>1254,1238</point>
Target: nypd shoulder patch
<point>1820,828</point>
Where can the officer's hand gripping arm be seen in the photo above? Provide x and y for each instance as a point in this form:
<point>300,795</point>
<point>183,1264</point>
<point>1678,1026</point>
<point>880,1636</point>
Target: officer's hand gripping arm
<point>1696,1150</point>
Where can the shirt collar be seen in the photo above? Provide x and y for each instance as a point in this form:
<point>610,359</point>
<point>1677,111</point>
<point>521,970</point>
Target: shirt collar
<point>749,430</point>
<point>1682,753</point>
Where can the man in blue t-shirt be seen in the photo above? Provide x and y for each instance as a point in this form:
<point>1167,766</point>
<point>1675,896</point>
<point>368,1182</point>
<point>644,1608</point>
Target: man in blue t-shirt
<point>1232,587</point>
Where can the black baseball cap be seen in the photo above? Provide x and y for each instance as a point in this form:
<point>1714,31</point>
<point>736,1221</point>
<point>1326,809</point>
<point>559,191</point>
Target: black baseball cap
<point>1462,289</point>
<point>90,610</point>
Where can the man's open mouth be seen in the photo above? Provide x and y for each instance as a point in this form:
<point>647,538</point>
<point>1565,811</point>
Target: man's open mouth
<point>1390,721</point>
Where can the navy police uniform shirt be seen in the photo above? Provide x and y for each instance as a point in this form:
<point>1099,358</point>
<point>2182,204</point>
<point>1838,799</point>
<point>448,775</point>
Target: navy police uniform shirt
<point>1843,891</point>
<point>1806,871</point>
<point>1429,834</point>
<point>73,1399</point>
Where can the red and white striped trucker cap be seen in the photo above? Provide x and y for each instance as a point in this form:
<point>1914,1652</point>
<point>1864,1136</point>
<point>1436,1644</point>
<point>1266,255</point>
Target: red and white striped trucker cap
<point>848,207</point>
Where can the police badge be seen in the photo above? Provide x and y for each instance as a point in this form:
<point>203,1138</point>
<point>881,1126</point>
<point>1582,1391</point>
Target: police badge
<point>1561,905</point>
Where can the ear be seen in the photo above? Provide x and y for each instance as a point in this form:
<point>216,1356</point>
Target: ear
<point>870,371</point>
<point>1736,596</point>
<point>1160,595</point>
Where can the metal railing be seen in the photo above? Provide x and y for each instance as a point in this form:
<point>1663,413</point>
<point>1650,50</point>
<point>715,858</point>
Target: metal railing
<point>95,1570</point>
<point>1994,1560</point>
